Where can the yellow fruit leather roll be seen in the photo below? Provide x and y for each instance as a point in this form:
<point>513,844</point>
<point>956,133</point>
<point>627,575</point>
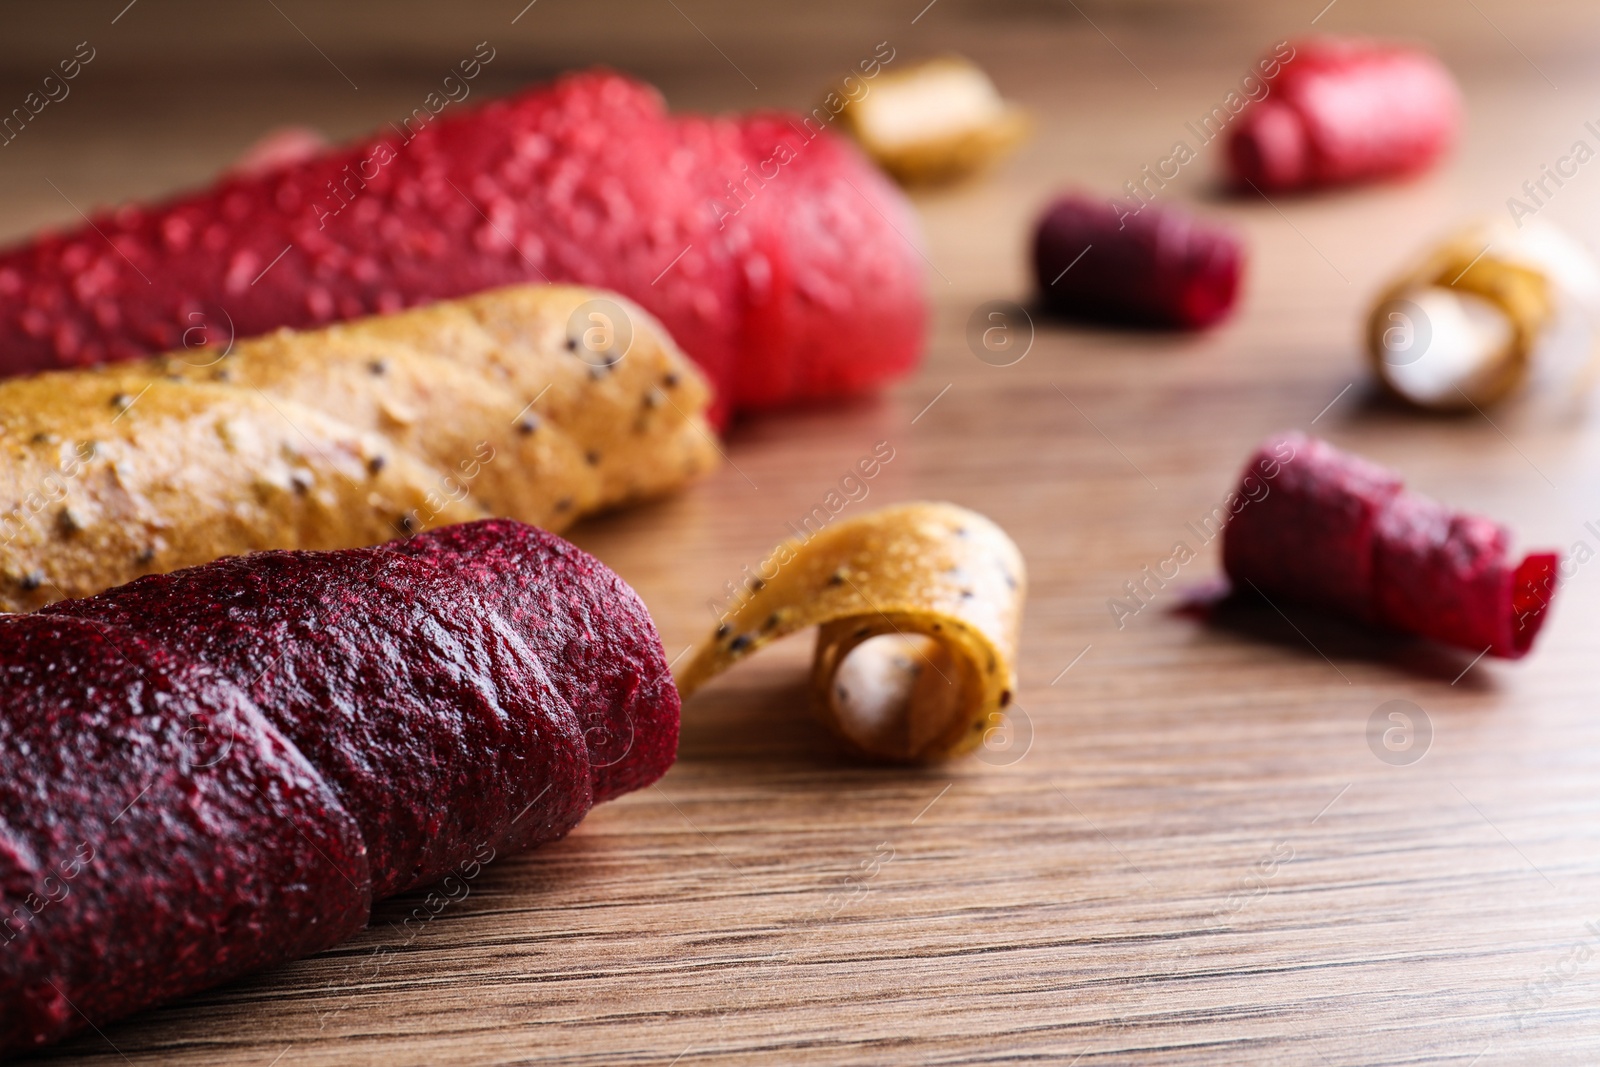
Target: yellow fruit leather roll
<point>918,608</point>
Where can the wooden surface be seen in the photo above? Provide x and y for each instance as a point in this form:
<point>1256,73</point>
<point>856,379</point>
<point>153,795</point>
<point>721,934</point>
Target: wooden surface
<point>1197,858</point>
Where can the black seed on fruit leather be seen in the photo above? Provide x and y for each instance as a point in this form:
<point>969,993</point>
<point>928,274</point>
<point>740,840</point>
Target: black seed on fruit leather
<point>376,464</point>
<point>740,643</point>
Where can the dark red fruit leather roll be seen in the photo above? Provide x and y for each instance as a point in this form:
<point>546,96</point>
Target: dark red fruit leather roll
<point>1346,110</point>
<point>400,707</point>
<point>1158,267</point>
<point>770,249</point>
<point>582,630</point>
<point>133,868</point>
<point>1337,532</point>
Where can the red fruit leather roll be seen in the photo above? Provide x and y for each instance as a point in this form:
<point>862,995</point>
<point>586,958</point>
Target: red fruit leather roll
<point>1346,110</point>
<point>1335,531</point>
<point>772,251</point>
<point>1157,267</point>
<point>410,699</point>
<point>133,868</point>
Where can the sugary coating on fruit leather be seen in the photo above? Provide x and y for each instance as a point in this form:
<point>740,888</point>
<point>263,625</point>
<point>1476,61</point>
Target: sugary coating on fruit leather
<point>157,834</point>
<point>930,569</point>
<point>592,632</point>
<point>337,438</point>
<point>435,726</point>
<point>586,180</point>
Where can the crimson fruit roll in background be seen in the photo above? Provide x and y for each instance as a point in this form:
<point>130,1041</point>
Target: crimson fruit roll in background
<point>1346,110</point>
<point>1157,267</point>
<point>219,769</point>
<point>776,256</point>
<point>1334,531</point>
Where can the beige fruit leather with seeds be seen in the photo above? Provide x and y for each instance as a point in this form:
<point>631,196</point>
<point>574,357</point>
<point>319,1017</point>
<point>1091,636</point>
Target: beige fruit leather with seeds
<point>947,577</point>
<point>339,437</point>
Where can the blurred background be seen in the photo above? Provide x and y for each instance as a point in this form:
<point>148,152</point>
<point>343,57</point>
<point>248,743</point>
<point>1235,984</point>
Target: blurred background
<point>180,86</point>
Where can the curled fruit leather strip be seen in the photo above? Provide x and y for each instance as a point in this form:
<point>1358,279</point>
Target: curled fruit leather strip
<point>1341,110</point>
<point>1334,531</point>
<point>1157,267</point>
<point>782,261</point>
<point>1489,310</point>
<point>917,608</point>
<point>220,769</point>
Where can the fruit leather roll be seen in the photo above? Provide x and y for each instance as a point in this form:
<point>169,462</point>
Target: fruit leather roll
<point>918,609</point>
<point>1159,266</point>
<point>539,403</point>
<point>1334,531</point>
<point>1343,110</point>
<point>782,262</point>
<point>220,769</point>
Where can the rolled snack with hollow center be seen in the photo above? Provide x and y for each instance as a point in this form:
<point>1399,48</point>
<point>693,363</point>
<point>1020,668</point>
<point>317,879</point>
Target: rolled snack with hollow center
<point>1337,532</point>
<point>1343,110</point>
<point>1491,309</point>
<point>918,608</point>
<point>217,770</point>
<point>538,403</point>
<point>1158,267</point>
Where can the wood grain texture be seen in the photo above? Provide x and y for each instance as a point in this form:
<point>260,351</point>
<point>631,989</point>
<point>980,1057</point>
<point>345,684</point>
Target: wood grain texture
<point>1197,860</point>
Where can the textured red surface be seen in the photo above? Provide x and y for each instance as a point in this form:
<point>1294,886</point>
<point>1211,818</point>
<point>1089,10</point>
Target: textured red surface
<point>1158,267</point>
<point>1346,110</point>
<point>313,731</point>
<point>584,630</point>
<point>135,866</point>
<point>1337,532</point>
<point>799,275</point>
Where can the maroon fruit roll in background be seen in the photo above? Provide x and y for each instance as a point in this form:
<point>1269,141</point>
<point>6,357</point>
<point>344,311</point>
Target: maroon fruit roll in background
<point>1337,532</point>
<point>781,260</point>
<point>220,769</point>
<point>1158,267</point>
<point>1345,110</point>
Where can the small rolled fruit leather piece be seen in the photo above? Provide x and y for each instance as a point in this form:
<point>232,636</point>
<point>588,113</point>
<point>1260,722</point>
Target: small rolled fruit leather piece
<point>1336,532</point>
<point>936,122</point>
<point>918,608</point>
<point>1343,110</point>
<point>509,403</point>
<point>220,769</point>
<point>1160,267</point>
<point>1492,309</point>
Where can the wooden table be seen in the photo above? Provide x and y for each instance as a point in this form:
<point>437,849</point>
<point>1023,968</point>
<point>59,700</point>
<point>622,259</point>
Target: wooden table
<point>1196,858</point>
